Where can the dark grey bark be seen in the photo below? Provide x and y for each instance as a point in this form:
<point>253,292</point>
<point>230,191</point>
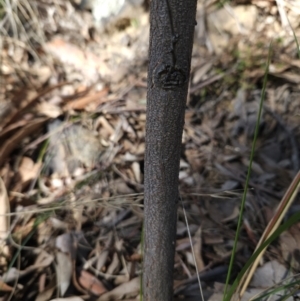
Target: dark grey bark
<point>172,24</point>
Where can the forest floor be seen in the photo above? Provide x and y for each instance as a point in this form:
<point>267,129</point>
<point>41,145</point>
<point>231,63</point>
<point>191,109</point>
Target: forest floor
<point>72,141</point>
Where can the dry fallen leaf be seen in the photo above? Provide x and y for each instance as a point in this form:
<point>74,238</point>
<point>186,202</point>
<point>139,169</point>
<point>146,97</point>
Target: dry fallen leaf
<point>4,222</point>
<point>290,246</point>
<point>201,72</point>
<point>71,54</point>
<point>89,102</point>
<point>28,169</point>
<point>23,99</point>
<point>198,250</point>
<point>128,289</point>
<point>26,100</point>
<point>114,265</point>
<point>68,299</point>
<point>46,294</point>
<point>4,287</point>
<point>22,231</point>
<point>10,144</point>
<point>67,243</point>
<point>269,274</point>
<point>64,271</point>
<point>91,283</point>
<point>49,109</point>
<point>43,260</point>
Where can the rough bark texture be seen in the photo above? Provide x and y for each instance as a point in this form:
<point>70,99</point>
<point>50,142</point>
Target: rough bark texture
<point>172,24</point>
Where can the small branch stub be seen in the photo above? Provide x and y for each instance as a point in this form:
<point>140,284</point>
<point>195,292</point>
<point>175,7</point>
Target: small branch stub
<point>168,77</point>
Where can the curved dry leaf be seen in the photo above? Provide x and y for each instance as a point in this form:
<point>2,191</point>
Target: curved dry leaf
<point>89,102</point>
<point>128,289</point>
<point>46,294</point>
<point>198,250</point>
<point>91,283</point>
<point>114,266</point>
<point>288,76</point>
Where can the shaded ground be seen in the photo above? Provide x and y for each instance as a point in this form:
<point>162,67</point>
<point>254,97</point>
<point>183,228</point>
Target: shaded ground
<point>72,110</point>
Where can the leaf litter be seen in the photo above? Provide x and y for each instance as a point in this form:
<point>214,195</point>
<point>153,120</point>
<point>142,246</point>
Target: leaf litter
<point>72,147</point>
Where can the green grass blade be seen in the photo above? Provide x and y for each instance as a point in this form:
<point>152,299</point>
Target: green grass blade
<point>237,234</point>
<point>291,221</point>
<point>296,40</point>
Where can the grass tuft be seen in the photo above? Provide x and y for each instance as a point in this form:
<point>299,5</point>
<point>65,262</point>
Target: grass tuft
<point>227,296</point>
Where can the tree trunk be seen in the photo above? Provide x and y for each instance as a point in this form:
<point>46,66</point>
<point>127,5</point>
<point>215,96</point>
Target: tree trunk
<point>172,25</point>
